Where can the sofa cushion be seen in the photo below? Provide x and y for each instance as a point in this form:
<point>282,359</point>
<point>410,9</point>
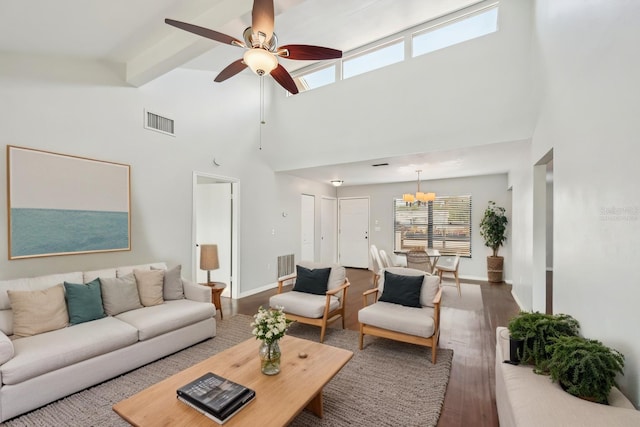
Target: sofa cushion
<point>169,316</point>
<point>84,301</point>
<point>410,320</point>
<point>123,271</point>
<point>33,284</point>
<point>172,287</point>
<point>149,284</point>
<point>35,312</point>
<point>119,294</point>
<point>106,273</point>
<point>303,304</point>
<point>47,352</point>
<point>401,289</point>
<point>6,349</point>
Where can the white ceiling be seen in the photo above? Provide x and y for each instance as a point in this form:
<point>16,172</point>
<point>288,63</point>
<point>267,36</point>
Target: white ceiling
<point>134,33</point>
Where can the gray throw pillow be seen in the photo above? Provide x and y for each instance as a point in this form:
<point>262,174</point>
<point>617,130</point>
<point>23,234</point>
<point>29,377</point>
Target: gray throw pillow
<point>172,288</point>
<point>119,294</point>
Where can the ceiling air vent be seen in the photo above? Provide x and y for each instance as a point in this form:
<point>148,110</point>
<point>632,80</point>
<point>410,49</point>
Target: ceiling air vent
<point>159,123</point>
<point>380,164</point>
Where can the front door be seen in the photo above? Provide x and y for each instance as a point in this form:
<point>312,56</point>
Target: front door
<point>353,234</point>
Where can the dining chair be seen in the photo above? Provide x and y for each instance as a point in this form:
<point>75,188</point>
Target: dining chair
<point>449,264</point>
<point>376,262</point>
<point>419,260</point>
<point>388,261</point>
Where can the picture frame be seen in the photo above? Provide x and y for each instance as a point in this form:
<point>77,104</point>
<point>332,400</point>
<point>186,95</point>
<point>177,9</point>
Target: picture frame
<point>61,204</point>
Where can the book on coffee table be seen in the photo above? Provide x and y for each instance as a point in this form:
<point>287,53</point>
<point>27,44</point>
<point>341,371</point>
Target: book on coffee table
<point>215,396</point>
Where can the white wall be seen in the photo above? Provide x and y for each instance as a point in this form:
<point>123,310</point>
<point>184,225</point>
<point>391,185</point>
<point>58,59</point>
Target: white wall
<point>481,188</point>
<point>589,65</point>
<point>473,93</point>
<point>82,108</point>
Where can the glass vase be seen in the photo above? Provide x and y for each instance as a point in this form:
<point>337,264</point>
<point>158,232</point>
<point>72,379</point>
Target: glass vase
<point>269,358</point>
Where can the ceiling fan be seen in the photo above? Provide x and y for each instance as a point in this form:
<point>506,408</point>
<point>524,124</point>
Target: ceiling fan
<point>261,43</point>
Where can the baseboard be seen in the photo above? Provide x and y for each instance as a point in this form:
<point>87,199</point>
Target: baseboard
<point>515,297</point>
<point>254,291</point>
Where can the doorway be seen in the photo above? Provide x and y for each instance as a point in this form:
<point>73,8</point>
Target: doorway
<point>215,220</point>
<point>542,298</point>
<point>353,232</point>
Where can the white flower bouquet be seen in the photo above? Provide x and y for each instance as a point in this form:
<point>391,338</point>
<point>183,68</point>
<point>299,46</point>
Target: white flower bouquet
<point>269,325</point>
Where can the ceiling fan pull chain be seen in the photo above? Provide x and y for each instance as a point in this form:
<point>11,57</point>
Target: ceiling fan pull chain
<point>262,122</point>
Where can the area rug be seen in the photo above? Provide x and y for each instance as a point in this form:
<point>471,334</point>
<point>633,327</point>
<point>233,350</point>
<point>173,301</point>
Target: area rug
<point>386,384</point>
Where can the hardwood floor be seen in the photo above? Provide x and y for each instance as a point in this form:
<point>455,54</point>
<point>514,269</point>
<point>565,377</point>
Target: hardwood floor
<point>470,398</point>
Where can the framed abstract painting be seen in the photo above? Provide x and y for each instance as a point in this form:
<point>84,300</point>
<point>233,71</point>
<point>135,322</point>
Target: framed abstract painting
<point>61,205</point>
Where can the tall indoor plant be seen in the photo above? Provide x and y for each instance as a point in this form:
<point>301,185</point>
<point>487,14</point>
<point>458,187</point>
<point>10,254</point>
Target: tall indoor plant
<point>493,229</point>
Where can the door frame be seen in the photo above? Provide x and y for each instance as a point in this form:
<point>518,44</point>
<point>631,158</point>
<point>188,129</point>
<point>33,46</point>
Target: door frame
<point>235,226</point>
<point>334,230</point>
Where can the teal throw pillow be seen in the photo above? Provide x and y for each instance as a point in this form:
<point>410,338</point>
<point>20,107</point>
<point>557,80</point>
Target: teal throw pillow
<point>403,290</point>
<point>313,281</point>
<point>84,302</point>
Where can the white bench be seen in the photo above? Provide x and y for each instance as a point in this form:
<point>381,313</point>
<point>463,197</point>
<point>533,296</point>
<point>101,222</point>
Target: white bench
<point>527,399</point>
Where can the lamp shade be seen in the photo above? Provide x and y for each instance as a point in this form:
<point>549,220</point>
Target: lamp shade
<point>260,61</point>
<point>209,257</point>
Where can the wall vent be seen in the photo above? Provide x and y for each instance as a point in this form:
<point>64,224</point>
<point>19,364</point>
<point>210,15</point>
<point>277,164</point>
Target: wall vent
<point>286,265</point>
<point>159,123</point>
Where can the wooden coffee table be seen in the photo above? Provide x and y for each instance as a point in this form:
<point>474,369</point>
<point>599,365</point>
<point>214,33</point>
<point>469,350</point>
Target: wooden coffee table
<point>279,398</point>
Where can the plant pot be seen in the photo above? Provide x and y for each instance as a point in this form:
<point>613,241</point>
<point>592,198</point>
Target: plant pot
<point>495,265</point>
<point>516,350</point>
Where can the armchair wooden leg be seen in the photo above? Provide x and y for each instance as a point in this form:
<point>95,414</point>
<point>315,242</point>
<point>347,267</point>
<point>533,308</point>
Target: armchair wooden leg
<point>361,337</point>
<point>434,352</point>
<point>322,331</point>
<point>455,273</point>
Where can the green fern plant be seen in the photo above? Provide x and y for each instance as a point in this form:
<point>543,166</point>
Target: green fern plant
<point>585,368</point>
<point>536,330</point>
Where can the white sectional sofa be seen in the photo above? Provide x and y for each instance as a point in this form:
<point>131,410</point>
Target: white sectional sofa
<point>44,367</point>
<point>525,399</point>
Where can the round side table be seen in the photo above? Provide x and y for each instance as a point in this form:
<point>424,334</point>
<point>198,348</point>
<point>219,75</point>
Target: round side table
<point>216,290</point>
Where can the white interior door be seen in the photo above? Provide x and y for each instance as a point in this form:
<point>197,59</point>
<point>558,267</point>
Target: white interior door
<point>307,227</point>
<point>353,232</point>
<point>215,222</point>
<point>328,230</point>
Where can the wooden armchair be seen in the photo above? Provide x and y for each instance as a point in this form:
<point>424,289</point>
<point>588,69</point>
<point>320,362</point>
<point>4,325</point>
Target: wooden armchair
<point>314,309</point>
<point>417,324</point>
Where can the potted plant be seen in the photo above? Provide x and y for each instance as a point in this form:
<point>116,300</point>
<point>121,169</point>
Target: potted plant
<point>535,330</point>
<point>584,368</point>
<point>493,229</point>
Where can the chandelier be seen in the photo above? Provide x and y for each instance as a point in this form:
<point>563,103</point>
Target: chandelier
<point>419,197</point>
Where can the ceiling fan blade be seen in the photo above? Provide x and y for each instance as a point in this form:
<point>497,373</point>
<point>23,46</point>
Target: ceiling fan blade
<point>205,32</point>
<point>262,18</point>
<point>308,52</point>
<point>231,70</point>
<point>284,79</point>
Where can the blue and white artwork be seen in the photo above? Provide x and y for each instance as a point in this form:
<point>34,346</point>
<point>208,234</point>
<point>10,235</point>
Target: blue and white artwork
<point>61,204</point>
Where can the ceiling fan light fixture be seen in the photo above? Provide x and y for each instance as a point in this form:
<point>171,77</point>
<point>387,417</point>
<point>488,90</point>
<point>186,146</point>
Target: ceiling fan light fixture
<point>337,182</point>
<point>261,61</point>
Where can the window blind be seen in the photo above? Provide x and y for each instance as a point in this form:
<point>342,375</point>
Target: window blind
<point>444,224</point>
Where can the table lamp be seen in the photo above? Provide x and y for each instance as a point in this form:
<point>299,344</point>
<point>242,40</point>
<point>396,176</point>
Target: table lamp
<point>209,259</point>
